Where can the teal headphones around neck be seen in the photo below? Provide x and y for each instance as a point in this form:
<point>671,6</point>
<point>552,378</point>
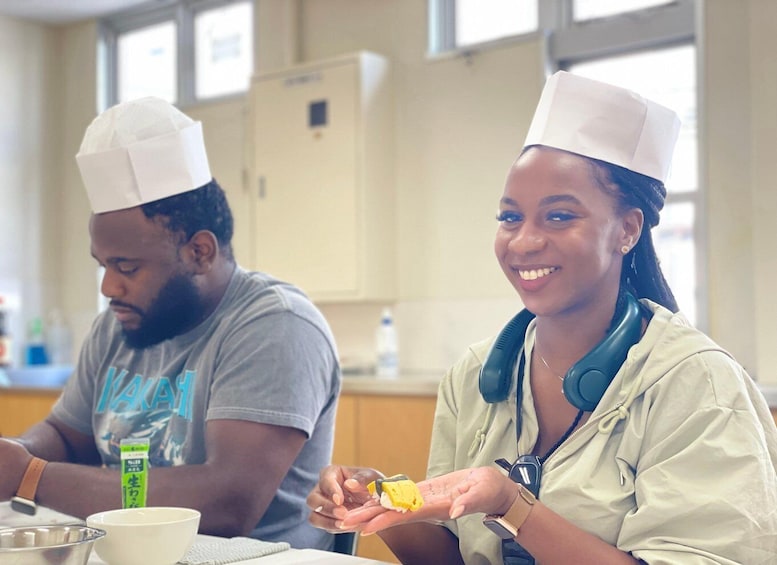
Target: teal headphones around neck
<point>586,380</point>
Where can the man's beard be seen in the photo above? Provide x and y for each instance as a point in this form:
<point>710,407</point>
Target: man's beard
<point>176,309</point>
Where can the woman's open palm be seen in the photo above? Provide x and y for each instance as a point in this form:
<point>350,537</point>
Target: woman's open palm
<point>483,489</point>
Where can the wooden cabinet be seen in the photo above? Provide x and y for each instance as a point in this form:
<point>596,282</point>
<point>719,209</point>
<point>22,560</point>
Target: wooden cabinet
<point>321,195</point>
<point>21,408</point>
<point>390,433</point>
<point>345,450</point>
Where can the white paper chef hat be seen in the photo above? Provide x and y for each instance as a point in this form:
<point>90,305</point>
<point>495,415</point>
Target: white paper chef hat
<point>605,122</point>
<point>141,151</point>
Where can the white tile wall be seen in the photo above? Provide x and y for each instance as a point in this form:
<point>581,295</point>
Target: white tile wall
<point>433,333</point>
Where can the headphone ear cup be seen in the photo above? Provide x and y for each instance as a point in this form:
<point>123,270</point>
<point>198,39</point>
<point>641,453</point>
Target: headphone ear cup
<point>496,374</point>
<point>588,379</point>
<point>586,390</point>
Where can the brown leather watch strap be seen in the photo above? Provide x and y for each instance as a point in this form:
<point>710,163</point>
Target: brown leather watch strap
<point>29,484</point>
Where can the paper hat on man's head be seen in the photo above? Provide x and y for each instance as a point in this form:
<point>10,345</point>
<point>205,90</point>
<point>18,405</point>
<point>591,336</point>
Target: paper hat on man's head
<point>141,151</point>
<point>605,122</point>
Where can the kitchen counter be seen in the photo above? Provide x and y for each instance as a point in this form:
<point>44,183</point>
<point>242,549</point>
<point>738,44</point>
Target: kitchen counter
<point>31,389</point>
<point>407,384</point>
<point>426,383</point>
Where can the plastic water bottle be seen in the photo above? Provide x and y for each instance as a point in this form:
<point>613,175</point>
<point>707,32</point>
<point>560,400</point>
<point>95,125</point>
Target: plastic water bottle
<point>35,351</point>
<point>387,365</point>
<point>59,342</point>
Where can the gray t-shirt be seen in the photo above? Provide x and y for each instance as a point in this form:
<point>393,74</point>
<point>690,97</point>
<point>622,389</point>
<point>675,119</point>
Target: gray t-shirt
<point>266,355</point>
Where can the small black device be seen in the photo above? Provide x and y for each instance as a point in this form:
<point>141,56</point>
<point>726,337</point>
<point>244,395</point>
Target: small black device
<point>586,380</point>
<point>527,471</point>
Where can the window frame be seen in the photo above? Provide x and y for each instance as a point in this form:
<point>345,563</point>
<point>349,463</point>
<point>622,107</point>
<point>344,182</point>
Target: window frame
<point>442,30</point>
<point>649,28</point>
<point>183,14</point>
<point>662,24</point>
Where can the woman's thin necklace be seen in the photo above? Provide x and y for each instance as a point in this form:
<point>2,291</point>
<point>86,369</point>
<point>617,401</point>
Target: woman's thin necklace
<point>561,378</point>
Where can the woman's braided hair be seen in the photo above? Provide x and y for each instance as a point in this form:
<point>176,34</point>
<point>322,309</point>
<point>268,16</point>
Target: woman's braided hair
<point>641,273</point>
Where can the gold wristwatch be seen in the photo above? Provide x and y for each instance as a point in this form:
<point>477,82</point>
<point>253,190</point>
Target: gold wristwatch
<point>507,525</point>
<point>24,501</point>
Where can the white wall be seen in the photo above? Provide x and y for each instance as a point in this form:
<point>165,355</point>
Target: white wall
<point>763,99</point>
<point>726,149</point>
<point>459,124</point>
<point>48,98</point>
<point>738,139</point>
<point>26,268</point>
<point>76,100</point>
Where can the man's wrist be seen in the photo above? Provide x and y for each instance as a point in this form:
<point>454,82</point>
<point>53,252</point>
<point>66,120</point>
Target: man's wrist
<point>24,501</point>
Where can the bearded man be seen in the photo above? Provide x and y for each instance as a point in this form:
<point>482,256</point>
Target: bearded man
<point>231,376</point>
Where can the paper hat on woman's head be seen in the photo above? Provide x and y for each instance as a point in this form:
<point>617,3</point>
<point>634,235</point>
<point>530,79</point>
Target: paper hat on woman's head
<point>605,122</point>
<point>141,151</point>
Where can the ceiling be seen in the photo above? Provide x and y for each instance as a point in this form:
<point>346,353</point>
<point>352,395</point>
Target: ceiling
<point>63,11</point>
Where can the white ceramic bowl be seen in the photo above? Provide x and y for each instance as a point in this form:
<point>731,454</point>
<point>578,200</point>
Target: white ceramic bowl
<point>156,535</point>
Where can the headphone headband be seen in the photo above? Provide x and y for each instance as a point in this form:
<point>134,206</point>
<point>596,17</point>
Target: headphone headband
<point>586,381</point>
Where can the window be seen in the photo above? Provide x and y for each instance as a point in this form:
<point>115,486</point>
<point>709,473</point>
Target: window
<point>482,20</point>
<point>456,24</point>
<point>645,45</point>
<point>223,50</point>
<point>183,51</point>
<point>146,62</point>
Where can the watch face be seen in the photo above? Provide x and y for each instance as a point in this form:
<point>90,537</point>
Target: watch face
<point>500,527</point>
<point>24,506</point>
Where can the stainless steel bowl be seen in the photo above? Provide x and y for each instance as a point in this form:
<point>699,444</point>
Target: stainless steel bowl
<point>47,545</point>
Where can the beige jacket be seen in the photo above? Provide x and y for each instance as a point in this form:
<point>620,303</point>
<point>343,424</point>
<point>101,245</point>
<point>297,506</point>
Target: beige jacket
<point>677,464</point>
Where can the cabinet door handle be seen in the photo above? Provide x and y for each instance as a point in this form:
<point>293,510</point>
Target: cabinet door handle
<point>261,187</point>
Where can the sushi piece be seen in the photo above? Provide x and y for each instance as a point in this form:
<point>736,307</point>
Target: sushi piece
<point>397,493</point>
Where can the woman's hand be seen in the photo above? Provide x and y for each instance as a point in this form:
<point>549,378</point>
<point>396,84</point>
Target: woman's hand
<point>339,490</point>
<point>450,496</point>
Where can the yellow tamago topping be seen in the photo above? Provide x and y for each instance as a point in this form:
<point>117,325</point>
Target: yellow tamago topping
<point>397,493</point>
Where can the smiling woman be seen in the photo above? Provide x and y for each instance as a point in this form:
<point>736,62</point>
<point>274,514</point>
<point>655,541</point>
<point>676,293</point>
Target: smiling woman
<point>561,234</point>
<point>655,428</point>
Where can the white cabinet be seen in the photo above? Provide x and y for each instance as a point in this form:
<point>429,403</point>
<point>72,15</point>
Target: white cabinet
<point>322,202</point>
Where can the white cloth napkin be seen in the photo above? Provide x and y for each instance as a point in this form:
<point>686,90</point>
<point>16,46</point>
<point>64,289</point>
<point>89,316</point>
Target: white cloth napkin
<point>220,552</point>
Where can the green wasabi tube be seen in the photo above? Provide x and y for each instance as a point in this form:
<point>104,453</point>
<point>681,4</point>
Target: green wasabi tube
<point>134,472</point>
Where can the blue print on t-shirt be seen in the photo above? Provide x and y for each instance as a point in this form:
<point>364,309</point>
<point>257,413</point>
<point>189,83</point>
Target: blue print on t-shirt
<point>143,394</point>
<point>159,409</point>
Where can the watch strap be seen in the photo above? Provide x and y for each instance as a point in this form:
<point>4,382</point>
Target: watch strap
<point>509,524</point>
<point>521,507</point>
<point>29,485</point>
